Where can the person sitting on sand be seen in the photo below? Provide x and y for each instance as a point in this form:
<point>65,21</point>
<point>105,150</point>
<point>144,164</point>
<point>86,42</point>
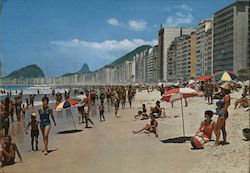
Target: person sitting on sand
<point>243,101</point>
<point>157,110</point>
<point>8,150</point>
<point>207,126</point>
<point>34,130</point>
<point>142,113</point>
<point>152,127</point>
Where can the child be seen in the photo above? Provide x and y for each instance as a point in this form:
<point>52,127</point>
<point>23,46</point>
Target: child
<point>152,127</point>
<point>101,111</point>
<point>23,112</point>
<point>34,130</point>
<point>220,107</point>
<point>207,126</point>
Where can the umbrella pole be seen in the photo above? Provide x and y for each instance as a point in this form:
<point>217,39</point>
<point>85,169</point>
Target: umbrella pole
<point>182,116</point>
<point>73,121</point>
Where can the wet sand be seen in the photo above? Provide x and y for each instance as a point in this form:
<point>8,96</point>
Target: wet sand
<point>111,146</point>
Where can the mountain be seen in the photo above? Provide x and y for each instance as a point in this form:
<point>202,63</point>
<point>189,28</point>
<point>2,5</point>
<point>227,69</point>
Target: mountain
<point>84,69</point>
<point>30,71</point>
<point>130,55</point>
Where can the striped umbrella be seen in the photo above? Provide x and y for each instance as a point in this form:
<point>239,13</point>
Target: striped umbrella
<point>225,76</point>
<point>66,104</point>
<point>177,94</point>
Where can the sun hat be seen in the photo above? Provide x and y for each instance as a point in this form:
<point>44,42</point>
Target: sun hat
<point>226,86</point>
<point>34,114</point>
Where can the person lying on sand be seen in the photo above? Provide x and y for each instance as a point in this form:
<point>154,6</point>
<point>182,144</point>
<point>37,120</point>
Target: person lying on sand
<point>8,151</point>
<point>207,126</point>
<point>152,127</point>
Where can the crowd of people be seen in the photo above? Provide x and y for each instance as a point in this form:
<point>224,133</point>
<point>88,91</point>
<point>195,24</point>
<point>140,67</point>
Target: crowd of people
<point>93,100</point>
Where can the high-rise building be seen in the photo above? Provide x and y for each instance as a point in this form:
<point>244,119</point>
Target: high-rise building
<point>165,37</point>
<point>204,48</point>
<point>172,62</point>
<point>183,57</point>
<point>230,37</point>
<point>151,65</point>
<point>193,41</point>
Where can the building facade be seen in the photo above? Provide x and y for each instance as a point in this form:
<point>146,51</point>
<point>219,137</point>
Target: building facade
<point>165,37</point>
<point>183,57</point>
<point>230,37</point>
<point>204,48</point>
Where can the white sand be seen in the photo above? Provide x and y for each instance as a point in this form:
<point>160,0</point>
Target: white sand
<point>111,147</point>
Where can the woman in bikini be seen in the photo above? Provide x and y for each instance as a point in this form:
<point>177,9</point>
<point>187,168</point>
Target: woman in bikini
<point>221,121</point>
<point>45,112</point>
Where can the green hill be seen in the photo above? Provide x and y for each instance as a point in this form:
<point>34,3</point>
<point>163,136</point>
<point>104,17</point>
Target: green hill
<point>31,71</point>
<point>129,56</point>
<point>84,69</point>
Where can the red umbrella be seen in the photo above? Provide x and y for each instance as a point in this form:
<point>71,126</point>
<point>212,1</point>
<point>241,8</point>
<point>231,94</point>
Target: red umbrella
<point>204,78</point>
<point>177,94</point>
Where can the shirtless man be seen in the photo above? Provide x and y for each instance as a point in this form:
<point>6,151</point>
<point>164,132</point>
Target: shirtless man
<point>8,152</point>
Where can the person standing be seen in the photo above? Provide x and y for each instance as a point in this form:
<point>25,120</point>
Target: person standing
<point>45,113</point>
<point>101,112</point>
<point>221,121</point>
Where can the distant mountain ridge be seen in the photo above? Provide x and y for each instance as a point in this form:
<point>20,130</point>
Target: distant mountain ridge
<point>83,70</point>
<point>129,56</point>
<point>30,71</point>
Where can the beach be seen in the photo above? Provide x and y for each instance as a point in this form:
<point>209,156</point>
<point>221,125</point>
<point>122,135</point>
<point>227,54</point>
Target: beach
<point>111,147</point>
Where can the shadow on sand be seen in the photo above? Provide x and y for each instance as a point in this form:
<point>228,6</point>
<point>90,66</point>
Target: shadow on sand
<point>50,151</point>
<point>69,131</point>
<point>181,139</point>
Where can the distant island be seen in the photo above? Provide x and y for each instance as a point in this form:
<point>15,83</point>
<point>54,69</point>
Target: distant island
<point>30,71</point>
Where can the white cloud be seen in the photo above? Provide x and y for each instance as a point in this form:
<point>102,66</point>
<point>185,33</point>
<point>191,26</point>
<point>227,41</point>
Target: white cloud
<point>182,17</point>
<point>108,49</point>
<point>184,7</point>
<point>107,45</point>
<point>137,25</point>
<point>113,22</point>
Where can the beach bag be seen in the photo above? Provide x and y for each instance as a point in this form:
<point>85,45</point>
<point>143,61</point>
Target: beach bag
<point>197,142</point>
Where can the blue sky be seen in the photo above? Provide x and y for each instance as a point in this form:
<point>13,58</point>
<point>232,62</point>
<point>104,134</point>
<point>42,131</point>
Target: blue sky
<point>61,35</point>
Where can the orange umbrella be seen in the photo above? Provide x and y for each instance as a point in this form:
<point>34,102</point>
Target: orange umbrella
<point>204,78</point>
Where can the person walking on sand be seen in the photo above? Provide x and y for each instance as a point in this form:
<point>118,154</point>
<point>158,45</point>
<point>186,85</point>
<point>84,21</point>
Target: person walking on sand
<point>45,113</point>
<point>116,103</point>
<point>152,127</point>
<point>223,114</point>
<point>86,108</point>
<point>34,130</point>
<point>207,126</point>
<point>130,96</point>
<point>4,116</point>
<point>101,112</point>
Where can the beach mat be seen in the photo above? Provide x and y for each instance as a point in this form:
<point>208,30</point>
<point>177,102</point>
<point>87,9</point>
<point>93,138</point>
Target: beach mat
<point>181,139</point>
<point>68,131</point>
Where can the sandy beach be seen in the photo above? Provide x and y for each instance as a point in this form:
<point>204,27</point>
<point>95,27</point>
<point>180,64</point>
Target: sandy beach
<point>111,147</point>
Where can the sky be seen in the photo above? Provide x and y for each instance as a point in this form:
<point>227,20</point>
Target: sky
<point>60,35</point>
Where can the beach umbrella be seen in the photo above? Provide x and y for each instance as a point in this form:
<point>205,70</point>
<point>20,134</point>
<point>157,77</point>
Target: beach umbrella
<point>177,94</point>
<point>225,76</point>
<point>204,78</point>
<point>191,81</point>
<point>67,104</point>
<point>168,84</point>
